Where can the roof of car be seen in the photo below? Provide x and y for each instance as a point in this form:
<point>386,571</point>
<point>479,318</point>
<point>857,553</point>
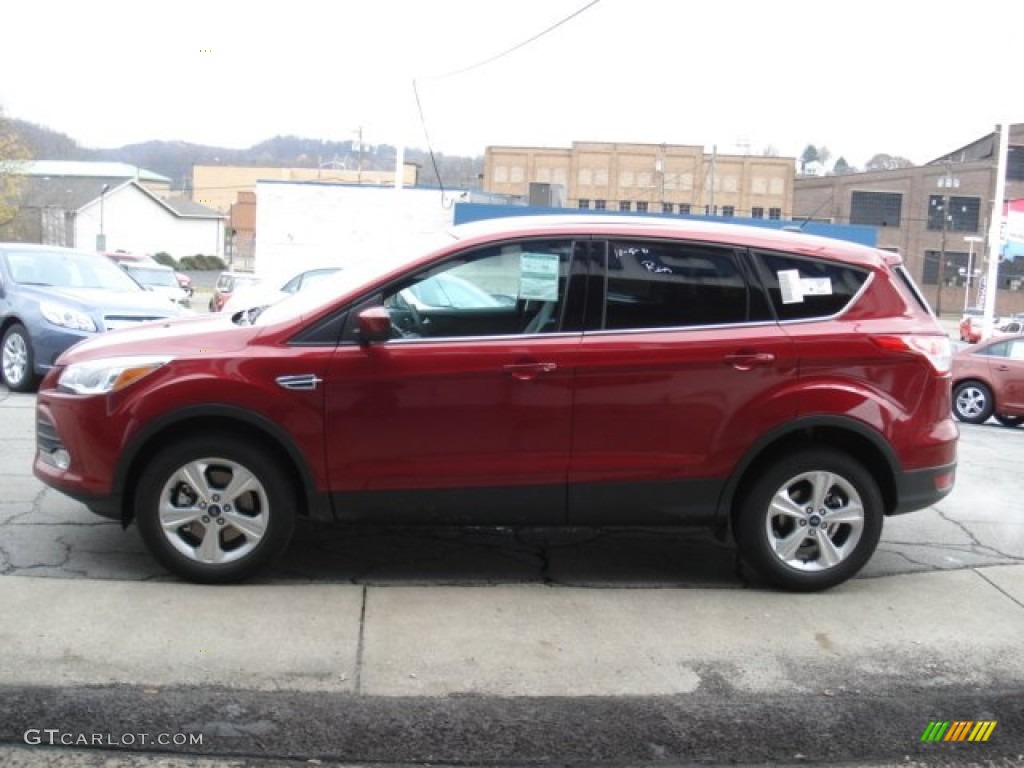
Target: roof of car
<point>609,224</point>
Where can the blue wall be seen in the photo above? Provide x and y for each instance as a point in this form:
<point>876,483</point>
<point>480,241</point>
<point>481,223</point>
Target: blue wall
<point>467,212</point>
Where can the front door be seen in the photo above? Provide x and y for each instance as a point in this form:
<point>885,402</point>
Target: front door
<point>465,415</point>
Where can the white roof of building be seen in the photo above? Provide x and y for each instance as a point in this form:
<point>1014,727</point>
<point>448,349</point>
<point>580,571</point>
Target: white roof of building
<point>84,168</point>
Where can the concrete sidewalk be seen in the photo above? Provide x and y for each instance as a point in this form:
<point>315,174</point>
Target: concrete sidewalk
<point>962,627</point>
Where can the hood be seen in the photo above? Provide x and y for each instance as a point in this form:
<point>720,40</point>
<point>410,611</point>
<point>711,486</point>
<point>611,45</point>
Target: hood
<point>187,336</point>
<point>107,301</point>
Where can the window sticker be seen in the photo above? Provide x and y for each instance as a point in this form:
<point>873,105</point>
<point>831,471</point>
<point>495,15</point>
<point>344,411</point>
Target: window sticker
<point>816,286</point>
<point>538,278</point>
<point>790,286</point>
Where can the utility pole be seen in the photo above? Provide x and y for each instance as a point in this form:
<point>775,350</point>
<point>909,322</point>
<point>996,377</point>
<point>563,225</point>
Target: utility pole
<point>949,181</point>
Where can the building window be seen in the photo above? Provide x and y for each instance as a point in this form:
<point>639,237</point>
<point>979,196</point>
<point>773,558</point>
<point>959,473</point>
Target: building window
<point>775,213</point>
<point>757,213</point>
<point>641,207</point>
<point>876,209</point>
<point>710,210</point>
<point>684,209</point>
<point>728,210</point>
<point>964,213</point>
<point>624,205</point>
<point>1015,164</point>
<point>599,205</point>
<point>584,204</point>
<point>668,208</point>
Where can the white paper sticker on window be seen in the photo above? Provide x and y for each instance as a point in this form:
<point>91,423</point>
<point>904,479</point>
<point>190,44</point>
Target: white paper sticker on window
<point>538,279</point>
<point>790,286</point>
<point>816,286</point>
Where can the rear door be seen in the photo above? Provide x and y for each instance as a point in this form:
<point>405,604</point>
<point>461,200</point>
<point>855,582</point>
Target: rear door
<point>674,383</point>
<point>1006,369</point>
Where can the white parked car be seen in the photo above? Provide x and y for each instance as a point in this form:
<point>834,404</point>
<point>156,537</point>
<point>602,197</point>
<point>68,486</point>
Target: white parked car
<point>271,291</point>
<point>157,278</point>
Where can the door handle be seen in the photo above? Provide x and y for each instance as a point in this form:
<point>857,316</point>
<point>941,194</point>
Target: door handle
<point>527,371</point>
<point>744,361</point>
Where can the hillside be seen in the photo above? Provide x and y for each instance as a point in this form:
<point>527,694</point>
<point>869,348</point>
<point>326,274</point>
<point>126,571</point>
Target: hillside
<point>175,159</point>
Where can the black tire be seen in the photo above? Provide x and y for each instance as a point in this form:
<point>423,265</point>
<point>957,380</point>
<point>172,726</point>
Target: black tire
<point>17,360</point>
<point>200,528</point>
<point>1009,421</point>
<point>972,402</point>
<point>786,549</point>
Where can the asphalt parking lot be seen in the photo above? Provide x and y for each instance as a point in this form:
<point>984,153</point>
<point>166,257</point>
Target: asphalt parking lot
<point>513,647</point>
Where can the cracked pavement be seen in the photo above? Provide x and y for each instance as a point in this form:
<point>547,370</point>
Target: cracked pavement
<point>45,534</point>
<point>497,646</point>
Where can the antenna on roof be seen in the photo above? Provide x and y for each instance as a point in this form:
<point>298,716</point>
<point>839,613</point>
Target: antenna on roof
<point>800,227</point>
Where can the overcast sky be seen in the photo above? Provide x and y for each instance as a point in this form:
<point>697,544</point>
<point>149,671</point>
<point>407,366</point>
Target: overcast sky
<point>903,77</point>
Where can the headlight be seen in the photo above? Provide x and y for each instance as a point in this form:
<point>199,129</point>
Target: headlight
<point>63,315</point>
<point>99,377</point>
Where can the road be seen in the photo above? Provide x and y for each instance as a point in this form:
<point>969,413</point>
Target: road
<point>497,647</point>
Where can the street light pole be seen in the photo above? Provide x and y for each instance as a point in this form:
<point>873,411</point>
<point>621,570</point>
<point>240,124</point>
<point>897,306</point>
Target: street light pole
<point>101,238</point>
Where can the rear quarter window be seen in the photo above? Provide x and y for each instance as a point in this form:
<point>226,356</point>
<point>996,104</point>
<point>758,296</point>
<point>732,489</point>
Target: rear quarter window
<point>803,288</point>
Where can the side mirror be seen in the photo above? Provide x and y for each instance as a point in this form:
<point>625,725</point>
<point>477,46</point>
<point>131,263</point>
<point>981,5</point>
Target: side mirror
<point>374,325</point>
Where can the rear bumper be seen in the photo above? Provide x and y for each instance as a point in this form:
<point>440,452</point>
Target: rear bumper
<point>923,488</point>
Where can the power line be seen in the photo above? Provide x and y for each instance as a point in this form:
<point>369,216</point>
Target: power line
<point>515,48</point>
<point>478,65</point>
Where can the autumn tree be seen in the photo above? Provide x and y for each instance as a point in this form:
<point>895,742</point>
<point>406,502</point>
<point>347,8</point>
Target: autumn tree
<point>13,154</point>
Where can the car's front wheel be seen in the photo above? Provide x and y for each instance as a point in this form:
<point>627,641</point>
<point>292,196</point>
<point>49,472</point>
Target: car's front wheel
<point>215,510</point>
<point>17,360</point>
<point>810,520</point>
<point>972,402</point>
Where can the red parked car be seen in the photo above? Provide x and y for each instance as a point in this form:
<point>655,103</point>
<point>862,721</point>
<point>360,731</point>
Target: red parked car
<point>988,380</point>
<point>788,389</point>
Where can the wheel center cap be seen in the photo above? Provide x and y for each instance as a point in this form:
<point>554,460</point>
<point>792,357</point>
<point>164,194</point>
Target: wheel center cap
<point>213,510</point>
<point>815,521</point>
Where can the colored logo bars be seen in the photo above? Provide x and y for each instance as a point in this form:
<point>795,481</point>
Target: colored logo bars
<point>958,730</point>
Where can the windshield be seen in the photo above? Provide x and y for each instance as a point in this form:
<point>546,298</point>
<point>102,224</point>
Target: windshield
<point>67,269</point>
<point>153,276</point>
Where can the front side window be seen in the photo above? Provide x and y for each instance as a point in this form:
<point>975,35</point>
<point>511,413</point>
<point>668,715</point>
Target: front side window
<point>653,284</point>
<point>802,288</point>
<point>516,288</point>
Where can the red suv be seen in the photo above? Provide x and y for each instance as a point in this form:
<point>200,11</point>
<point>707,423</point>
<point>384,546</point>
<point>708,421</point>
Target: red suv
<point>587,370</point>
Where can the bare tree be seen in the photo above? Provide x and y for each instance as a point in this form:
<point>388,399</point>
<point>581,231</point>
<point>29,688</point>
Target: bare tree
<point>883,162</point>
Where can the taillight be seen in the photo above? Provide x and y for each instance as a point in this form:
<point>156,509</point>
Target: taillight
<point>937,349</point>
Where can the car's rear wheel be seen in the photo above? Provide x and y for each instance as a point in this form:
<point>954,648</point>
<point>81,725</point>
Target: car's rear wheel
<point>1009,421</point>
<point>17,360</point>
<point>810,520</point>
<point>972,402</point>
<point>215,510</point>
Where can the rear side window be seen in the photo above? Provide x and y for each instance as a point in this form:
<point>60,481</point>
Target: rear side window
<point>803,288</point>
<point>653,284</point>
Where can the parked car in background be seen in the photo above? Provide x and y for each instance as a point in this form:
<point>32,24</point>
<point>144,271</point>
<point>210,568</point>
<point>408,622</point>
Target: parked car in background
<point>186,283</point>
<point>264,293</point>
<point>52,298</point>
<point>1010,328</point>
<point>988,380</point>
<point>159,279</point>
<point>788,389</point>
<point>228,283</point>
